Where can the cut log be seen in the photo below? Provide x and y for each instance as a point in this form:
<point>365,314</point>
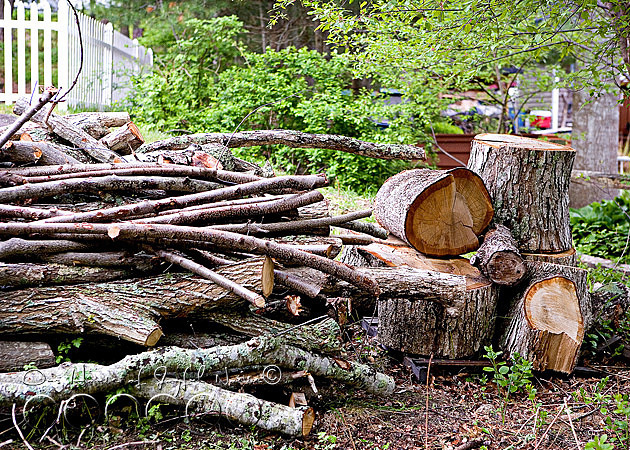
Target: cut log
<point>204,398</point>
<point>128,309</point>
<point>594,262</point>
<point>19,247</point>
<point>14,355</point>
<point>528,181</point>
<point>28,112</point>
<point>568,258</point>
<point>44,153</point>
<point>291,138</point>
<point>499,259</point>
<point>97,124</point>
<point>21,275</point>
<point>599,180</point>
<point>73,134</point>
<point>548,317</point>
<point>438,212</point>
<point>124,140</point>
<point>447,308</point>
<point>264,350</point>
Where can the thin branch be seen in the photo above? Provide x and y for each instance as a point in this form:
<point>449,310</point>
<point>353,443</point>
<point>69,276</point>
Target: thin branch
<point>26,115</point>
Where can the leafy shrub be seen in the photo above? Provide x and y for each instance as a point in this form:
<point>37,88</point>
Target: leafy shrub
<point>206,83</point>
<point>601,229</point>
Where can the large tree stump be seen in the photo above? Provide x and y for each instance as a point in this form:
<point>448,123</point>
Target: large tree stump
<point>549,316</point>
<point>439,212</point>
<point>452,317</point>
<point>528,181</point>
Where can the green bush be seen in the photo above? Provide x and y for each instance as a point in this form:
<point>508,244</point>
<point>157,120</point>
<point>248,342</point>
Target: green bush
<point>601,229</point>
<point>205,83</point>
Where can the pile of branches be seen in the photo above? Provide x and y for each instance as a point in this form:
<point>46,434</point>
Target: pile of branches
<point>103,235</point>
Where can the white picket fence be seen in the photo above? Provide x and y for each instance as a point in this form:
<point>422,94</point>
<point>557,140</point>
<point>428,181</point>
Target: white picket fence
<point>109,57</point>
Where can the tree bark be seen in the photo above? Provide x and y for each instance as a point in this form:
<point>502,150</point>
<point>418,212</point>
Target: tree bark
<point>595,139</point>
<point>528,181</point>
<point>594,262</point>
<point>499,259</point>
<point>124,140</point>
<point>103,184</point>
<point>66,130</point>
<point>205,398</point>
<point>128,309</point>
<point>51,173</point>
<point>97,124</point>
<point>291,139</point>
<point>70,379</point>
<point>21,275</point>
<point>436,211</point>
<point>14,355</point>
<point>249,210</point>
<point>548,317</point>
<point>149,207</point>
<point>43,153</point>
<point>135,232</point>
<point>448,308</point>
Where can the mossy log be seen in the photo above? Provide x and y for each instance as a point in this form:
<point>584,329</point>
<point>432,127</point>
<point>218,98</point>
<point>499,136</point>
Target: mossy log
<point>68,379</point>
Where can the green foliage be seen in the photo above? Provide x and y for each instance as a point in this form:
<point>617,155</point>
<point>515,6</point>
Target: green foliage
<point>601,229</point>
<point>199,87</point>
<point>616,411</point>
<point>510,379</point>
<point>63,349</point>
<point>459,41</point>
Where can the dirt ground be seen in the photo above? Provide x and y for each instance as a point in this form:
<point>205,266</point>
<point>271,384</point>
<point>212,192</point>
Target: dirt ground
<point>453,411</point>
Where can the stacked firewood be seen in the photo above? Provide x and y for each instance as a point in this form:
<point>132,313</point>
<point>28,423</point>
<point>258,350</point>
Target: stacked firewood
<point>521,290</point>
<point>103,235</point>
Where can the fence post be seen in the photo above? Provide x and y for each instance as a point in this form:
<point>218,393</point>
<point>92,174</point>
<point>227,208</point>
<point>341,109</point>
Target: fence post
<point>63,50</point>
<point>109,64</point>
<point>34,45</point>
<point>8,53</point>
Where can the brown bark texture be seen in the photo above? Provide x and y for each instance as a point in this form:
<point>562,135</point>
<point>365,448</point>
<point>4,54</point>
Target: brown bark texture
<point>498,258</point>
<point>548,317</point>
<point>528,181</point>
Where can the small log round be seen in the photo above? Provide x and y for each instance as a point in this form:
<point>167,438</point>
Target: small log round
<point>499,259</point>
<point>528,180</point>
<point>438,212</point>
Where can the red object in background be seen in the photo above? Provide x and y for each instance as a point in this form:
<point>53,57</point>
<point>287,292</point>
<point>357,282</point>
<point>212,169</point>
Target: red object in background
<point>541,122</point>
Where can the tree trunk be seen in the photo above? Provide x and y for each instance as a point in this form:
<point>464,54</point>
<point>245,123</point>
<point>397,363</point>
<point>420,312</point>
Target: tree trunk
<point>499,259</point>
<point>15,355</point>
<point>595,138</point>
<point>528,181</point>
<point>438,212</point>
<point>87,378</point>
<point>448,308</point>
<point>548,317</point>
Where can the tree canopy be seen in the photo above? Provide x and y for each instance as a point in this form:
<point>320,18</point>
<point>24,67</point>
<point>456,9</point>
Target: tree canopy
<point>456,41</point>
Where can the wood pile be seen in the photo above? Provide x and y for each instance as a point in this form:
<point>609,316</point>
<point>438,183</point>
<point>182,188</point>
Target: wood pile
<point>521,290</point>
<point>224,267</point>
<point>129,245</point>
